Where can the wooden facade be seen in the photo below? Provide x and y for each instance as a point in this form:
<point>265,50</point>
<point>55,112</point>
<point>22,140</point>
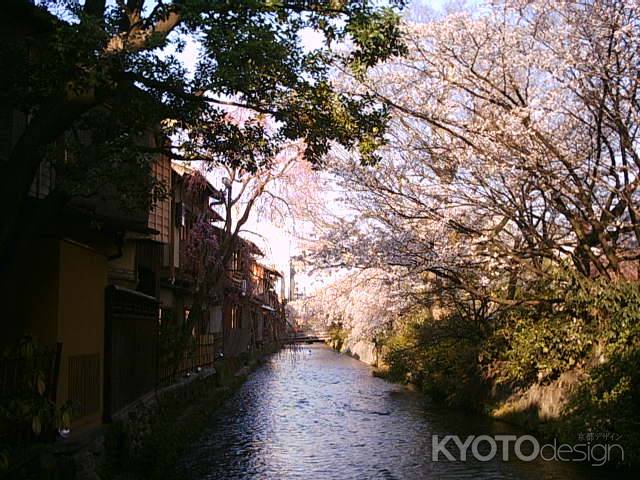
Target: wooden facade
<point>103,280</point>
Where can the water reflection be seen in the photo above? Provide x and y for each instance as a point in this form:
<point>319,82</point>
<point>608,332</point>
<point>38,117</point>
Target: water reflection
<point>318,414</point>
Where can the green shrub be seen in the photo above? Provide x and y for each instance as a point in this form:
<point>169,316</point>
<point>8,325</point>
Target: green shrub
<point>607,403</point>
<point>540,349</point>
<point>444,366</point>
<point>28,416</point>
<point>588,318</point>
<point>588,325</point>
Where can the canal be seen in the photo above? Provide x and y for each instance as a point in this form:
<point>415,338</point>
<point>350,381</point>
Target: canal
<point>316,414</point>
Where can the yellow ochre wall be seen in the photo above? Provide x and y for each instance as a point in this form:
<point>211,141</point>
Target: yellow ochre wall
<point>82,280</point>
<point>55,293</point>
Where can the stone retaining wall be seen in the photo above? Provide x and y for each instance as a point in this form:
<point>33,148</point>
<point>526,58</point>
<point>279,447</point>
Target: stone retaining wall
<point>362,350</point>
<point>85,456</point>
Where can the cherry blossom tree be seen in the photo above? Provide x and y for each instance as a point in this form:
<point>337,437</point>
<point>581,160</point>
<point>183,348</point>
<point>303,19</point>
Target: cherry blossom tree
<point>512,151</point>
<point>244,192</point>
<point>364,303</point>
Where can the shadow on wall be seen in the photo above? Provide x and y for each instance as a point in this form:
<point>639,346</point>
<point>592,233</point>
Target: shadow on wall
<point>351,354</point>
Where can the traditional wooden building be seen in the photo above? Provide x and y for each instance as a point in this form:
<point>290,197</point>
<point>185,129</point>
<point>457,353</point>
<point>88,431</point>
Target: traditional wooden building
<point>94,280</point>
<point>254,305</point>
<point>189,205</point>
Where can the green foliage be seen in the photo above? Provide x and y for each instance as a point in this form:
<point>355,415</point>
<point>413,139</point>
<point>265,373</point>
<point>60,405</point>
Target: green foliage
<point>443,365</point>
<point>590,326</point>
<point>251,53</point>
<point>607,402</point>
<point>375,36</point>
<point>589,317</point>
<point>104,161</point>
<point>27,414</point>
<point>613,308</point>
<point>338,335</point>
<point>114,69</point>
<point>542,346</point>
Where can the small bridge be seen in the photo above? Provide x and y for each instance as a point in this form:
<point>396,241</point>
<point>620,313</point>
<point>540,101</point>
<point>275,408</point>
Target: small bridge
<point>309,336</point>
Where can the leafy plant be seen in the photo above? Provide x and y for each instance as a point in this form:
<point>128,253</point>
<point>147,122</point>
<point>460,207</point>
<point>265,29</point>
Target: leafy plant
<point>592,326</point>
<point>438,357</point>
<point>338,335</point>
<point>27,412</point>
<point>607,402</point>
<point>175,342</point>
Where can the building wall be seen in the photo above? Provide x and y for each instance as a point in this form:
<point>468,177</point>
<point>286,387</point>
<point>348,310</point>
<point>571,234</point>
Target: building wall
<point>122,270</point>
<point>30,294</point>
<point>237,340</point>
<point>260,326</point>
<point>82,282</point>
<point>215,319</point>
<point>57,295</point>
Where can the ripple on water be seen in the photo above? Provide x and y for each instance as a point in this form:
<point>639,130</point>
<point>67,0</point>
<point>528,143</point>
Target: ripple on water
<point>322,415</point>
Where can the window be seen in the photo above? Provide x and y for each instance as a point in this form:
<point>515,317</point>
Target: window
<point>160,214</point>
<point>235,260</point>
<point>183,220</point>
<point>43,181</point>
<point>235,317</point>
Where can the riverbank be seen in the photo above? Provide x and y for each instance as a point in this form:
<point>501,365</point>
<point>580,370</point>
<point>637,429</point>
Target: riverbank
<point>149,443</point>
<point>568,371</point>
<point>146,440</point>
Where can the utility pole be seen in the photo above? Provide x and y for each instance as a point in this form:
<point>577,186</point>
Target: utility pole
<point>292,280</point>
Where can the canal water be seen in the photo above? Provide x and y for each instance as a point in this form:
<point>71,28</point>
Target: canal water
<point>317,414</point>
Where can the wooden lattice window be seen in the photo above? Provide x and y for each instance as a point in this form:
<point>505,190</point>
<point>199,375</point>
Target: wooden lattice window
<point>160,214</point>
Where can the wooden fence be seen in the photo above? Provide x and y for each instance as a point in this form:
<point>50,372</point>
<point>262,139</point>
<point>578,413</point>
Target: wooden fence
<point>131,347</point>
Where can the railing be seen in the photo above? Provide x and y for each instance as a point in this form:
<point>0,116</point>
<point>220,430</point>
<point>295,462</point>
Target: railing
<point>204,352</point>
<point>236,276</point>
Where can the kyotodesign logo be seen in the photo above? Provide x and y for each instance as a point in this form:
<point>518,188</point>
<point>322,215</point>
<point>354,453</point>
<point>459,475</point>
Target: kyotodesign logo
<point>526,448</point>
